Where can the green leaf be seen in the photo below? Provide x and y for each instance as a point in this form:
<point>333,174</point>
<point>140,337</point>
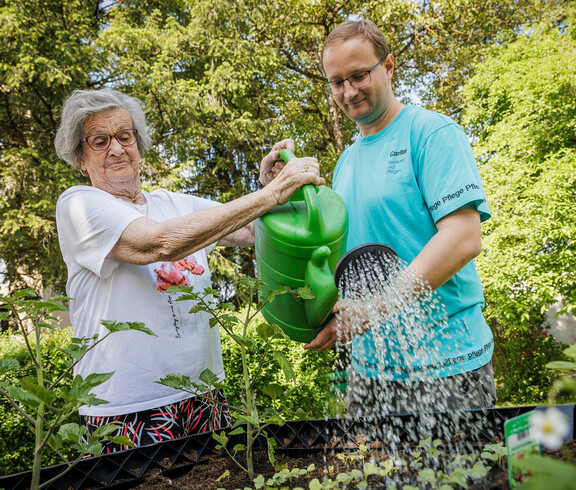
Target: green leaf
<point>561,365</point>
<point>275,419</point>
<point>285,365</point>
<point>94,448</point>
<point>570,351</point>
<point>270,331</point>
<point>305,292</point>
<point>24,293</point>
<point>22,396</point>
<point>459,476</point>
<point>113,326</point>
<point>39,392</point>
<point>221,437</point>
<point>479,470</point>
<point>176,381</point>
<point>209,377</point>
<point>121,440</point>
<point>80,390</point>
<point>247,342</point>
<point>71,432</point>
<point>8,365</point>
<point>237,430</point>
<point>273,390</point>
<point>104,431</point>
<point>427,475</point>
<point>371,469</point>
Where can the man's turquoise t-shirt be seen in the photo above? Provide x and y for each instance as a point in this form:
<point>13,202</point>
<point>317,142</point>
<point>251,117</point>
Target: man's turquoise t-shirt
<point>396,185</point>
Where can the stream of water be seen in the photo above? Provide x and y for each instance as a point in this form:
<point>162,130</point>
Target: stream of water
<point>398,324</point>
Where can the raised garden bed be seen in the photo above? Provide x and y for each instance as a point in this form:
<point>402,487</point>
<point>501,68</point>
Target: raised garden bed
<point>298,443</point>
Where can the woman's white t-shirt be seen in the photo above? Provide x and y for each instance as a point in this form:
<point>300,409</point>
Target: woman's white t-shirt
<point>90,222</point>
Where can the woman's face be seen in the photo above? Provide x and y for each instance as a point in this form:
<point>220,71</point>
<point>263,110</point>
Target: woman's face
<point>117,166</point>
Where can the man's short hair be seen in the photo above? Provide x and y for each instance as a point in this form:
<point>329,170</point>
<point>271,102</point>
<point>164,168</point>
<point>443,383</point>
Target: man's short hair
<point>364,29</point>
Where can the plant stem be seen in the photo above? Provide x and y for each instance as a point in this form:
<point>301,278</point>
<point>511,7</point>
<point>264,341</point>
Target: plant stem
<point>39,444</point>
<point>249,409</point>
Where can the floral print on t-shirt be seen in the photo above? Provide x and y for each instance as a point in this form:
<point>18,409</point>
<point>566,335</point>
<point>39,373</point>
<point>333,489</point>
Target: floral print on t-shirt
<point>176,273</point>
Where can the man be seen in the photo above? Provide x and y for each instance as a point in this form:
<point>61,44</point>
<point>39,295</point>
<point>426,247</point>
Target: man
<point>409,181</point>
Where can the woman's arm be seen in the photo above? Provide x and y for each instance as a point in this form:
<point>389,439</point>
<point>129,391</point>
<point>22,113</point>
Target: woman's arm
<point>145,241</point>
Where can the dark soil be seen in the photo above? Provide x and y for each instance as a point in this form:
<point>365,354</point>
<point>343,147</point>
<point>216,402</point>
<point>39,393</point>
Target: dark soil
<point>217,472</point>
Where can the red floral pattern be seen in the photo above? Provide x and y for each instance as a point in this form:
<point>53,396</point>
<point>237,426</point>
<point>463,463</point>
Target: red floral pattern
<point>172,273</point>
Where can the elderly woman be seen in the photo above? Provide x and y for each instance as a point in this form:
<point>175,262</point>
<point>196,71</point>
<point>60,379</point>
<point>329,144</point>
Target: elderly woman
<point>125,247</point>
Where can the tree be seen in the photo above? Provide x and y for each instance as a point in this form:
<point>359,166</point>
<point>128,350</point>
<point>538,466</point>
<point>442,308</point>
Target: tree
<point>436,45</point>
<point>221,81</point>
<point>521,107</point>
<point>46,52</point>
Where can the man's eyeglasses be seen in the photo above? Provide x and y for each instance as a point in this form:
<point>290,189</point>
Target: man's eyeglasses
<point>358,80</point>
<point>101,142</point>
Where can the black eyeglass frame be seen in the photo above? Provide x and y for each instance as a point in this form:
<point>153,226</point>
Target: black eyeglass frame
<point>110,136</point>
<point>327,86</point>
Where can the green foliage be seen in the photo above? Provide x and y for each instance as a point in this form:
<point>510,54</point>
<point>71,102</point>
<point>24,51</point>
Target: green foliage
<point>520,357</point>
<point>17,452</point>
<point>46,52</point>
<point>220,80</point>
<point>548,473</point>
<point>524,123</point>
<point>567,382</point>
<point>254,341</point>
<point>458,470</point>
<point>309,397</point>
<point>48,403</point>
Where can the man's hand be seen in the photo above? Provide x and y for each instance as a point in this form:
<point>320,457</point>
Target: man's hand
<point>351,320</point>
<point>270,166</point>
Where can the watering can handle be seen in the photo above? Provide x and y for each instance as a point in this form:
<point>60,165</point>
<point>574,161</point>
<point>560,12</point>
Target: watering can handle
<point>315,220</point>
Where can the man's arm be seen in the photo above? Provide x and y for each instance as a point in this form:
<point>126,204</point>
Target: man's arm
<point>457,242</point>
<point>244,237</point>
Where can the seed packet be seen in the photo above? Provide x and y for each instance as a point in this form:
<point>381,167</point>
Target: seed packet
<point>520,444</point>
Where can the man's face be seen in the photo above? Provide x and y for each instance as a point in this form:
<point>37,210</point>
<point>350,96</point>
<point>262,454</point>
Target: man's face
<point>368,105</point>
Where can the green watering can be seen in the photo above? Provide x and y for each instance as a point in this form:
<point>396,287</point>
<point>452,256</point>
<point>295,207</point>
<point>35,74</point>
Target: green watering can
<point>299,244</point>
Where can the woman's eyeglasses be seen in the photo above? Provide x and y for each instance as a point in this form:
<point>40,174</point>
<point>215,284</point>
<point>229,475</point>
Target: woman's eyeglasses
<point>101,142</point>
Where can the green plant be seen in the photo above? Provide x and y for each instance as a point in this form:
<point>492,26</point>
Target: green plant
<point>250,419</point>
<point>366,472</point>
<point>280,478</point>
<point>310,398</point>
<point>47,402</point>
<point>520,355</point>
<point>549,427</point>
<point>495,452</point>
<point>567,382</point>
<point>17,452</point>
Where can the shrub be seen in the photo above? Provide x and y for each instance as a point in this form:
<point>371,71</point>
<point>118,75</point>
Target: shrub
<point>17,450</point>
<point>312,395</point>
<point>520,357</point>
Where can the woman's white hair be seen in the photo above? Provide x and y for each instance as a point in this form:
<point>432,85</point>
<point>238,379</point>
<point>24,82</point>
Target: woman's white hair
<point>82,104</point>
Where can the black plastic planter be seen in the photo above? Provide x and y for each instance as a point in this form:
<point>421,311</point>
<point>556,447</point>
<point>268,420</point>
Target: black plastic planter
<point>129,468</point>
